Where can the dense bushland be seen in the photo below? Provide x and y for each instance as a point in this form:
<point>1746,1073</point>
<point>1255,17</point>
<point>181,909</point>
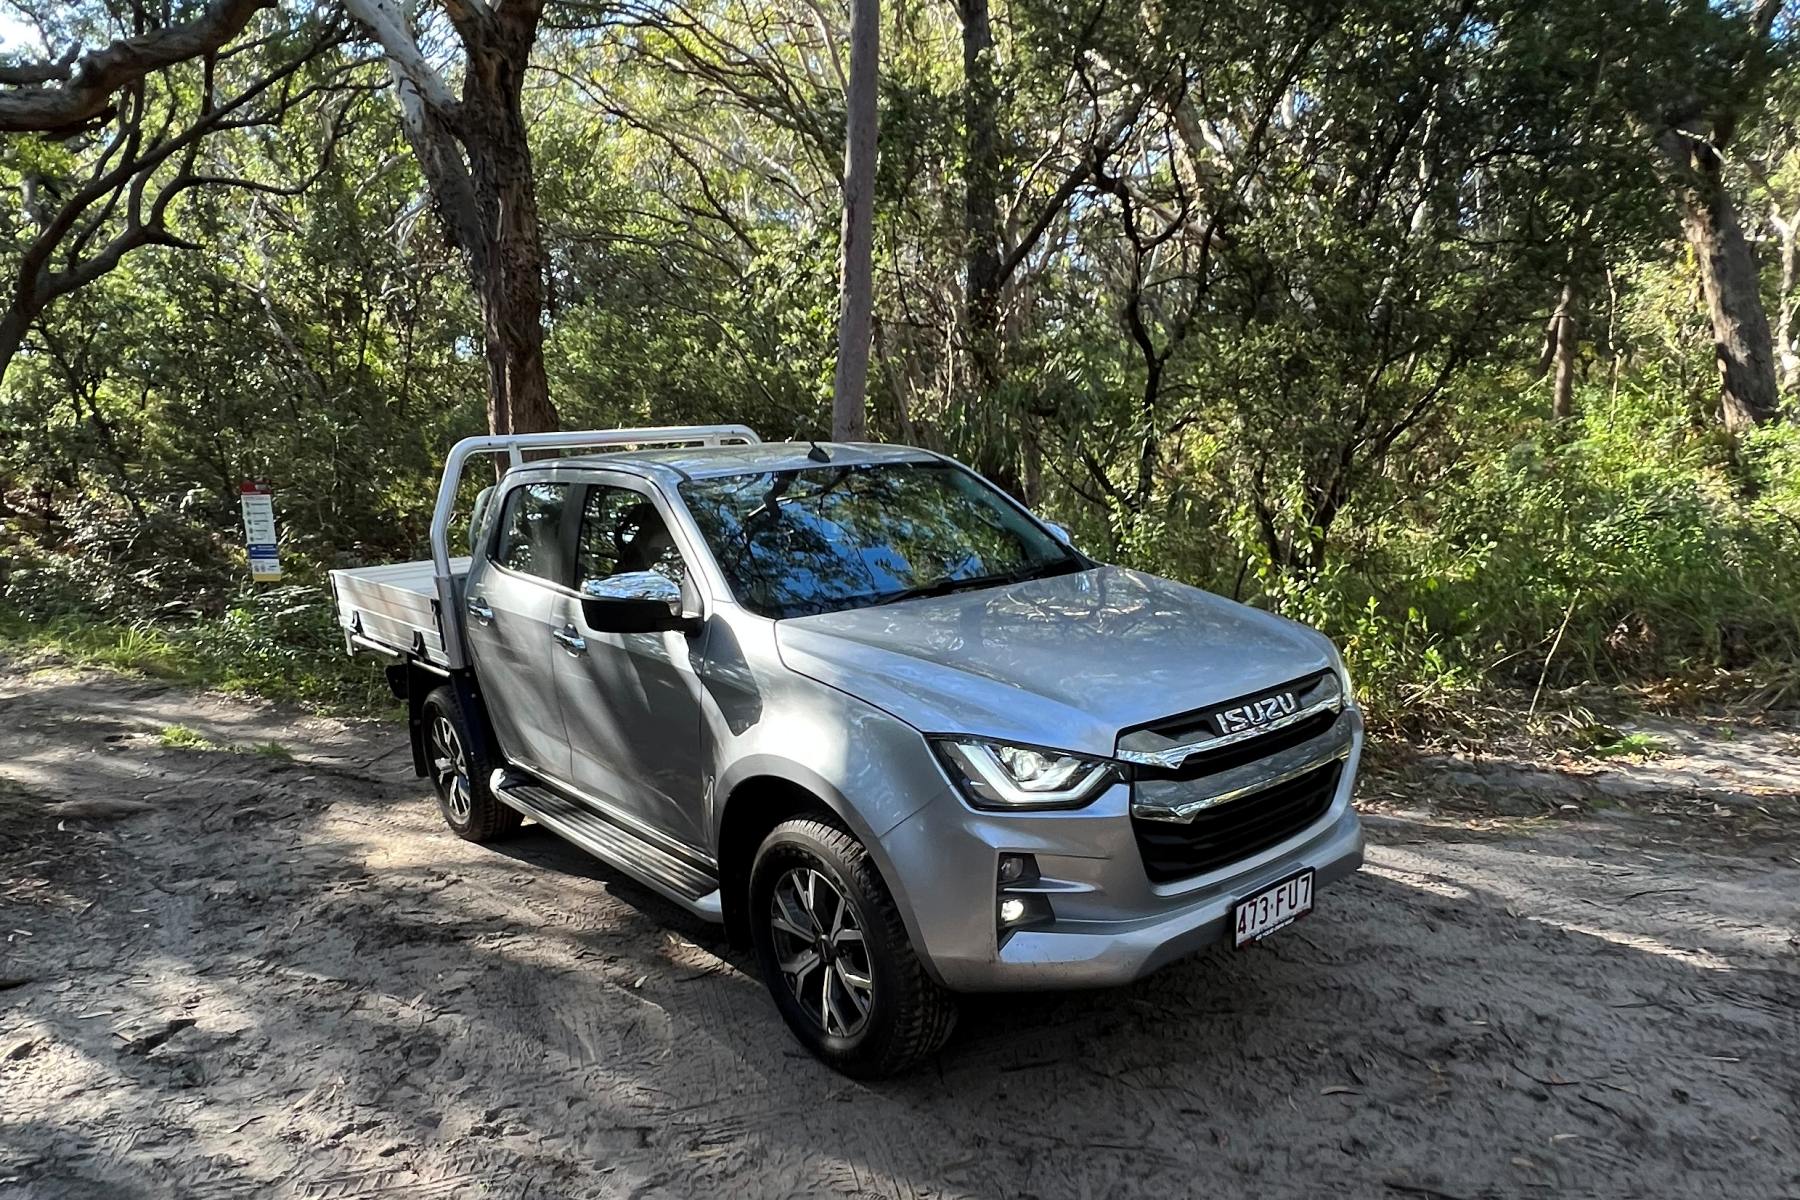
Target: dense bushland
<point>1388,316</point>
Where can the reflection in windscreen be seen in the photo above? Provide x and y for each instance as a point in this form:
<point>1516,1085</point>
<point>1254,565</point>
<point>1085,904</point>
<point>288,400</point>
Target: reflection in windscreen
<point>792,543</point>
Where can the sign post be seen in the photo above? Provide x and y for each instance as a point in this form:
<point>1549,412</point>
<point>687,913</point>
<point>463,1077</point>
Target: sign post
<point>258,501</point>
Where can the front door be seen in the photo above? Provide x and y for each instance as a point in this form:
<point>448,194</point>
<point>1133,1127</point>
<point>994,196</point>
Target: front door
<point>630,701</point>
<point>510,602</point>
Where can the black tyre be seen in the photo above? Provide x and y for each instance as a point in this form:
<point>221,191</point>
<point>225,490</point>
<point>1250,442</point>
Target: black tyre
<point>460,780</point>
<point>836,957</point>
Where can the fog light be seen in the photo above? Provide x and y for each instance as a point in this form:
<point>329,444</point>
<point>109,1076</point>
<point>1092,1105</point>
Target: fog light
<point>1012,868</point>
<point>1012,910</point>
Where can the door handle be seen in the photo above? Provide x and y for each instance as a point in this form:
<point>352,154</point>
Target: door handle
<point>478,608</point>
<point>571,641</point>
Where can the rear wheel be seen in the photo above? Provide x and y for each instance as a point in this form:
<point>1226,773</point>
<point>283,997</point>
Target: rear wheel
<point>460,780</point>
<point>836,957</point>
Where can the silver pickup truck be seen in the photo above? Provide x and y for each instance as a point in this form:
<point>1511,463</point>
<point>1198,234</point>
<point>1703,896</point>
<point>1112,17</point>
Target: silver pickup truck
<point>868,711</point>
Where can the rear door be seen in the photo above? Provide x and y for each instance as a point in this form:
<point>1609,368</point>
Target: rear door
<point>511,600</point>
<point>631,701</point>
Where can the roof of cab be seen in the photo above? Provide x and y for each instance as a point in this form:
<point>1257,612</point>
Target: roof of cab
<point>698,462</point>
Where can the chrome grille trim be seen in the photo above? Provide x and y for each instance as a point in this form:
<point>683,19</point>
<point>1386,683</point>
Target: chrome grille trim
<point>1174,756</point>
<point>1235,784</point>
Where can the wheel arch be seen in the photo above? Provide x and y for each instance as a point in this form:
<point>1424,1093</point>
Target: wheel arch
<point>762,793</point>
<point>412,684</point>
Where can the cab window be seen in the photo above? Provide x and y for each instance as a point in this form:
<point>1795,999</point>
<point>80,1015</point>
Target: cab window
<point>529,539</point>
<point>622,534</point>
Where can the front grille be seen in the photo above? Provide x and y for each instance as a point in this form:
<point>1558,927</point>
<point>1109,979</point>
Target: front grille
<point>1178,849</point>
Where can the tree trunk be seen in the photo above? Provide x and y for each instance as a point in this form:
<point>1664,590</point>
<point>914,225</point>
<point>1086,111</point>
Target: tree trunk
<point>981,216</point>
<point>1031,484</point>
<point>476,159</point>
<point>1741,339</point>
<point>1563,342</point>
<point>1693,135</point>
<point>1729,280</point>
<point>1786,353</point>
<point>856,291</point>
<point>996,457</point>
<point>509,281</point>
<point>12,336</point>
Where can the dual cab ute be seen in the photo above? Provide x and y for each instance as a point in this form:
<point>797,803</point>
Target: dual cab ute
<point>868,711</point>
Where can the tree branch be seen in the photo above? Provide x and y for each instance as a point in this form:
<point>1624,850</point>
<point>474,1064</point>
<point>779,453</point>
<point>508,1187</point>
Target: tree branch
<point>93,80</point>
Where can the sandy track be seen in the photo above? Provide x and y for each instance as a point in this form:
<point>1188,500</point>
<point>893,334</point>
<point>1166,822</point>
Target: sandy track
<point>229,973</point>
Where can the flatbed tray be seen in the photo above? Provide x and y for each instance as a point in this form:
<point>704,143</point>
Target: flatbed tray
<point>393,608</point>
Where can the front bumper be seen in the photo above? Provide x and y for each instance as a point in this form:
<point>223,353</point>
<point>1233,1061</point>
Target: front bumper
<point>1111,924</point>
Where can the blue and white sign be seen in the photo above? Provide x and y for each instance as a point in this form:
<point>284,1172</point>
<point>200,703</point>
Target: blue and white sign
<point>258,502</point>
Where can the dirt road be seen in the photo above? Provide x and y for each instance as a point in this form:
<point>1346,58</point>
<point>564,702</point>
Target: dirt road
<point>238,971</point>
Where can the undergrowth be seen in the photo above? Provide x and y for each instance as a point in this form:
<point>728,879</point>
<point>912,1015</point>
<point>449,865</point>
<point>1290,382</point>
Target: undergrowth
<point>1628,550</point>
<point>280,643</point>
<point>1631,556</point>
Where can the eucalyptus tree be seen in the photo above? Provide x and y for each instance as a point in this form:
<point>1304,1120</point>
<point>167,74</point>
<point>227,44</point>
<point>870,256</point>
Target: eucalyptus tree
<point>1733,52</point>
<point>115,128</point>
<point>1332,221</point>
<point>1774,166</point>
<point>751,130</point>
<point>474,151</point>
<point>856,251</point>
<point>118,118</point>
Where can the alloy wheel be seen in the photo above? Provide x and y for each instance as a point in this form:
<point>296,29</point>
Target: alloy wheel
<point>450,769</point>
<point>820,949</point>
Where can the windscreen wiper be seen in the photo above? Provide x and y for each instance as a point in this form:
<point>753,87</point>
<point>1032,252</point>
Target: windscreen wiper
<point>1043,570</point>
<point>944,587</point>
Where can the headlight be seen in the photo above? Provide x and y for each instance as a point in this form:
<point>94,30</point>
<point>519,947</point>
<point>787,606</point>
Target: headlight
<point>1343,674</point>
<point>998,775</point>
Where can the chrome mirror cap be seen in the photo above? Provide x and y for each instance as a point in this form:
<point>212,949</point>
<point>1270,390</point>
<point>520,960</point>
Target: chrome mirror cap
<point>636,585</point>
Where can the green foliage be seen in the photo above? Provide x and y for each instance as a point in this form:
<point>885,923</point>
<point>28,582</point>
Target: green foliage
<point>180,737</point>
<point>1635,746</point>
<point>284,641</point>
<point>281,643</point>
<point>1277,340</point>
<point>1626,544</point>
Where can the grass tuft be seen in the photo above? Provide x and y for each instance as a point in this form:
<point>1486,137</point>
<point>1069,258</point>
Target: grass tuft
<point>281,654</point>
<point>1636,746</point>
<point>180,737</point>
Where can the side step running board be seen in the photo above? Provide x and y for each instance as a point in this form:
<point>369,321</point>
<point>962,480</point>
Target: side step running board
<point>611,843</point>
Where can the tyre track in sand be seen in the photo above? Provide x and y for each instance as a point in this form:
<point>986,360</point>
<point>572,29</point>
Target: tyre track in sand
<point>256,975</point>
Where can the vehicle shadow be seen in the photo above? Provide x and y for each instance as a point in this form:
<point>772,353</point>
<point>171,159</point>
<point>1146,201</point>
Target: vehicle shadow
<point>537,847</point>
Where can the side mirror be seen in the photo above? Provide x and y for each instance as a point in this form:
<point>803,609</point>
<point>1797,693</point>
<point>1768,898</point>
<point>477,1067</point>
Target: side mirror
<point>1059,533</point>
<point>635,602</point>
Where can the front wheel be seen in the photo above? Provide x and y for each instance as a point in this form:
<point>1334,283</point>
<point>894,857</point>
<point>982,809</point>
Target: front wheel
<point>836,957</point>
<point>460,780</point>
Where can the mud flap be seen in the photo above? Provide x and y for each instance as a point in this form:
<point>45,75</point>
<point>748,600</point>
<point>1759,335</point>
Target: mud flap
<point>412,683</point>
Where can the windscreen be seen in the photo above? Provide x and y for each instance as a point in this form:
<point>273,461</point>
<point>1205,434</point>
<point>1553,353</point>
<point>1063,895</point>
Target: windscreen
<point>820,539</point>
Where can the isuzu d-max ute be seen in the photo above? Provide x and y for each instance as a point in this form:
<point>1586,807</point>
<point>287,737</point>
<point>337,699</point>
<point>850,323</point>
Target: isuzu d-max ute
<point>867,710</point>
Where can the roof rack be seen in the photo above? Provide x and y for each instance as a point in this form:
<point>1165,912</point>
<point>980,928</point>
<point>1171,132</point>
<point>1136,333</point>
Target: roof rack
<point>514,445</point>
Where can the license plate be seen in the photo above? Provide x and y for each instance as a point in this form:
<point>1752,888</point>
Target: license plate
<point>1272,908</point>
